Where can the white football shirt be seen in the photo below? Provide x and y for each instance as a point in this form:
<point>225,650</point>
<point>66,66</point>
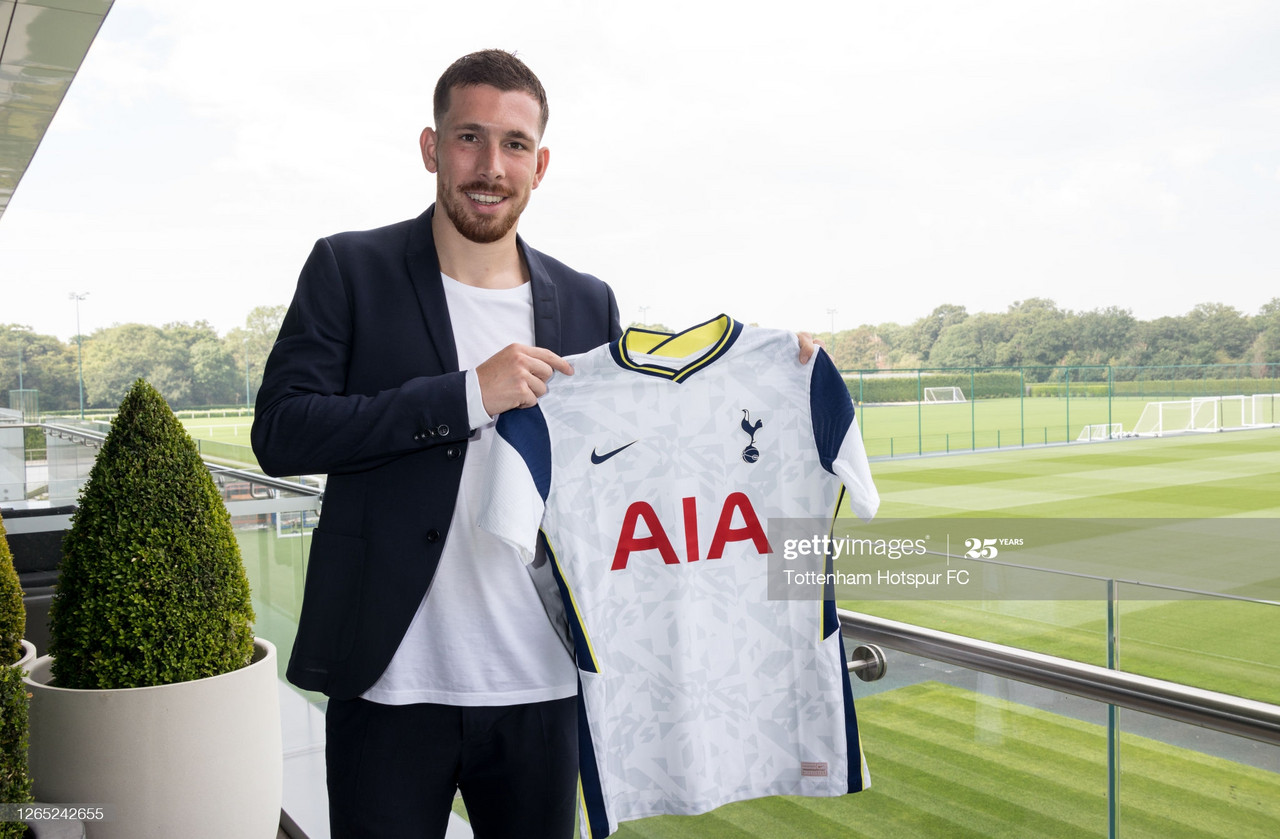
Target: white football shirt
<point>652,472</point>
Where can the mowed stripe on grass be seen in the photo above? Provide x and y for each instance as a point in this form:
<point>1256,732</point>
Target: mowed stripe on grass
<point>1190,476</point>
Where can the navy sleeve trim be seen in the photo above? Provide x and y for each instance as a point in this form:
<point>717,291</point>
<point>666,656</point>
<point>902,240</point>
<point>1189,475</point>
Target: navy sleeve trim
<point>830,407</point>
<point>526,430</point>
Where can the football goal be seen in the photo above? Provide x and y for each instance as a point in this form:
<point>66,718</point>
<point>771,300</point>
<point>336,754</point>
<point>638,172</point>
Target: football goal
<point>939,395</point>
<point>1227,412</point>
<point>1265,409</point>
<point>1160,418</point>
<point>1200,413</point>
<point>1101,431</point>
<point>296,523</point>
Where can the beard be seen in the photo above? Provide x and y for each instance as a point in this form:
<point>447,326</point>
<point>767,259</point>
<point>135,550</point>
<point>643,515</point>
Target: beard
<point>481,229</point>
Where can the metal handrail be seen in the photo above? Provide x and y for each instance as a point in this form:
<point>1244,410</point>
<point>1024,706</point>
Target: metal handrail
<point>94,438</point>
<point>1182,703</point>
<point>265,480</point>
<point>71,432</point>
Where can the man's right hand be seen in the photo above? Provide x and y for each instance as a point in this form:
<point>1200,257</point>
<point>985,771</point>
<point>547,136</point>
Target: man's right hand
<point>516,376</point>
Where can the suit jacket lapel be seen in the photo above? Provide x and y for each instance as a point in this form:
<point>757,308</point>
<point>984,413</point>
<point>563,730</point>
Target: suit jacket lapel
<point>424,273</point>
<point>546,305</point>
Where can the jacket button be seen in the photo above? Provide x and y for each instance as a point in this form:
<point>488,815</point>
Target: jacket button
<point>433,535</point>
<point>443,430</point>
<point>417,437</point>
<point>453,452</point>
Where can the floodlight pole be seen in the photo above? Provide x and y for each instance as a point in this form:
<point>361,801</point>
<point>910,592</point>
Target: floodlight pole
<point>79,346</point>
<point>246,371</point>
<point>832,312</point>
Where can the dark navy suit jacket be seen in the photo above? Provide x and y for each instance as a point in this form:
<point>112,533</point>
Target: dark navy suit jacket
<point>363,385</point>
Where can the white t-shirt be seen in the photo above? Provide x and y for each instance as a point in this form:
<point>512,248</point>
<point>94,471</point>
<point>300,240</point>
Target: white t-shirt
<point>653,473</point>
<point>481,635</point>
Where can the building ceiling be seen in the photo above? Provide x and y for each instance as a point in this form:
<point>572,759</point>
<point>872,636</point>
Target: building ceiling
<point>42,43</point>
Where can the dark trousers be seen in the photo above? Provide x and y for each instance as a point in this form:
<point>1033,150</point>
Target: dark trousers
<point>393,769</point>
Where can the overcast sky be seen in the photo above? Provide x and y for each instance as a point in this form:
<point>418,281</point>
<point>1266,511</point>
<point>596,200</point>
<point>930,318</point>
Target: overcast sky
<point>770,161</point>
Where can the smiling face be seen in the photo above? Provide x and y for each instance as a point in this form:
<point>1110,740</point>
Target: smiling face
<point>486,159</point>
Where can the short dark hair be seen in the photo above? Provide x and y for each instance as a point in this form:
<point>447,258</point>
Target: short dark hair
<point>496,68</point>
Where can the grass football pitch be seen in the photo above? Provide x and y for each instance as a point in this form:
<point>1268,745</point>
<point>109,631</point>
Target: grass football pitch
<point>952,761</point>
<point>1214,643</point>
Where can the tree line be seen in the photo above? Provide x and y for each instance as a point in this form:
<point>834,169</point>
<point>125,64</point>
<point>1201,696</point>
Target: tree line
<point>1037,333</point>
<point>189,363</point>
<point>193,367</point>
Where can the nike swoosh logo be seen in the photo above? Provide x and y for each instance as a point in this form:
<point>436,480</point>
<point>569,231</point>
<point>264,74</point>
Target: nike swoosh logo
<point>601,458</point>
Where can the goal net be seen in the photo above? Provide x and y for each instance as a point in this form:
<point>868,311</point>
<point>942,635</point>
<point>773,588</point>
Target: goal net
<point>1101,431</point>
<point>1228,412</point>
<point>1265,409</point>
<point>1201,413</point>
<point>934,395</point>
<point>1164,418</point>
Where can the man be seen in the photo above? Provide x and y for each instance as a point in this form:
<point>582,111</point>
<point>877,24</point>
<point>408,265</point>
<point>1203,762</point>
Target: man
<point>400,347</point>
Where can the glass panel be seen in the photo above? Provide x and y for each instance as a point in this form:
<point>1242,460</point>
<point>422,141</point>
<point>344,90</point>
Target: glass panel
<point>1180,780</point>
<point>1215,643</point>
<point>69,466</point>
<point>274,534</point>
<point>1073,625</point>
<point>13,464</point>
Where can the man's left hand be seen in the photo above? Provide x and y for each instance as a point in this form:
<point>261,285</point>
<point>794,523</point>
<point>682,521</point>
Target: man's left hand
<point>808,346</point>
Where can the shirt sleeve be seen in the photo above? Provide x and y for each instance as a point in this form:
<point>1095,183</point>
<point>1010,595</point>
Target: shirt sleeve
<point>477,416</point>
<point>838,438</point>
<point>518,480</point>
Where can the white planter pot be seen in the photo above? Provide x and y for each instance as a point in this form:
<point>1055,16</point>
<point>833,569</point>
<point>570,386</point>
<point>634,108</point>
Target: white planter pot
<point>28,655</point>
<point>55,828</point>
<point>199,759</point>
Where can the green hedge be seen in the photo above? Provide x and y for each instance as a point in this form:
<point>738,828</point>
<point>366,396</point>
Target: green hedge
<point>910,388</point>
<point>1004,383</point>
<point>1186,388</point>
<point>1060,389</point>
<point>1160,388</point>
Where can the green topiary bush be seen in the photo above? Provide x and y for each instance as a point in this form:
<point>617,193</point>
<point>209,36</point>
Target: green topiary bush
<point>13,615</point>
<point>152,589</point>
<point>15,783</point>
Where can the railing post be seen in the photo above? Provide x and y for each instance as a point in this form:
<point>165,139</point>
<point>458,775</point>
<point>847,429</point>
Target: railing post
<point>1067,373</point>
<point>973,410</point>
<point>1022,405</point>
<point>919,412</point>
<point>1111,392</point>
<point>1113,714</point>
